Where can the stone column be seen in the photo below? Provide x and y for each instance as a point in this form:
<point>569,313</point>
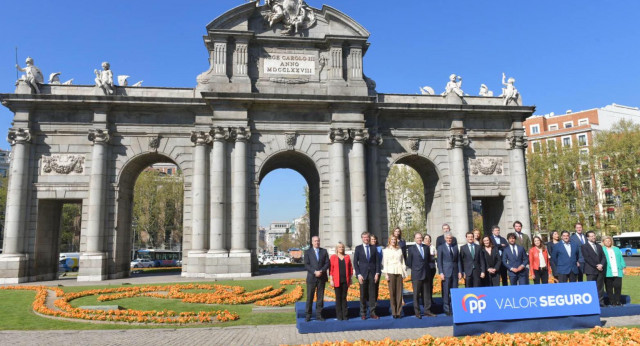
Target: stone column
<point>199,192</point>
<point>97,191</point>
<point>239,191</point>
<point>218,178</point>
<point>358,185</point>
<point>16,192</point>
<point>458,184</point>
<point>519,191</point>
<point>337,188</point>
<point>374,188</point>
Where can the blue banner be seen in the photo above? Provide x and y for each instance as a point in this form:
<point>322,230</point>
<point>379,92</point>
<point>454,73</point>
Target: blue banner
<point>524,302</point>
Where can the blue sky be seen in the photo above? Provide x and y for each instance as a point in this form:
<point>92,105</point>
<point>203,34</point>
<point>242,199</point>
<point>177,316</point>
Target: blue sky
<point>564,54</point>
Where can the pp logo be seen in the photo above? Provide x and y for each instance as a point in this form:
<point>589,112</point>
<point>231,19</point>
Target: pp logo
<point>476,303</point>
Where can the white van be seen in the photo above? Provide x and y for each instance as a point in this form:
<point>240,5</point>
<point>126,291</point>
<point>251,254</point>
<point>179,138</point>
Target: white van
<point>69,262</point>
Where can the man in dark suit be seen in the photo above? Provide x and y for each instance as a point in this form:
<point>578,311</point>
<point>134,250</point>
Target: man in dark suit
<point>500,243</point>
<point>316,262</point>
<point>472,267</point>
<point>367,269</point>
<point>449,267</point>
<point>595,263</point>
<point>579,239</point>
<point>521,238</point>
<point>440,240</point>
<point>515,258</point>
<point>565,255</point>
<point>418,259</point>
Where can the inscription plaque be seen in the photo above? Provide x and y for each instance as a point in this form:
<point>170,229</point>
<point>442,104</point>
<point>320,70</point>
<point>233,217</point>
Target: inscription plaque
<point>290,64</point>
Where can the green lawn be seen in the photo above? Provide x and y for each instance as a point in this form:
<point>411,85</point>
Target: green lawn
<point>16,312</point>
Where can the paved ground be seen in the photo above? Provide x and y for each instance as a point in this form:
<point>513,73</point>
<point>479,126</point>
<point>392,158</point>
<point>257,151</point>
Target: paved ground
<point>244,335</point>
<point>239,335</point>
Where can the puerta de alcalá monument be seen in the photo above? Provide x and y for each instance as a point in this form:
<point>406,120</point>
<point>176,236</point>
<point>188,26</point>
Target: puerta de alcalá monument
<point>286,88</point>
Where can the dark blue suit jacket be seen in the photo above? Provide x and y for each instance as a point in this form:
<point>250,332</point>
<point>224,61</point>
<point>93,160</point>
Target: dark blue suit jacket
<point>420,269</point>
<point>511,260</point>
<point>447,265</point>
<point>565,264</point>
<point>503,243</point>
<point>576,240</point>
<point>360,264</point>
<point>311,264</point>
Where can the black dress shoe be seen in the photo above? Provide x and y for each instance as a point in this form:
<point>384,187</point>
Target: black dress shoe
<point>429,314</point>
<point>363,317</point>
<point>375,317</point>
<point>307,319</point>
<point>418,316</point>
<point>320,318</point>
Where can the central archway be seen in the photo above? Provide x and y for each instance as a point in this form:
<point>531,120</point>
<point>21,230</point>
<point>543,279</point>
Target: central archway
<point>304,165</point>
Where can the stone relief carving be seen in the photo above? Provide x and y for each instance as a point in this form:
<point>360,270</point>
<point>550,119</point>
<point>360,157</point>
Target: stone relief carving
<point>376,139</point>
<point>290,140</point>
<point>454,86</point>
<point>338,135</point>
<point>484,91</point>
<point>104,79</point>
<point>458,141</point>
<point>516,142</point>
<point>33,76</point>
<point>509,92</point>
<point>200,137</point>
<point>295,15</point>
<point>486,166</point>
<point>322,62</point>
<point>18,136</point>
<point>63,164</point>
<point>371,85</point>
<point>99,136</point>
<point>154,143</point>
<point>414,144</point>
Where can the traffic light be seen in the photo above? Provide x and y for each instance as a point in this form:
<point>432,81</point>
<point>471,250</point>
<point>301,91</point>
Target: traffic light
<point>275,250</point>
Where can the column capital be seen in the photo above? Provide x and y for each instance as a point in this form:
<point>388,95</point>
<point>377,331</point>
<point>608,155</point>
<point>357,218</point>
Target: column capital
<point>219,134</point>
<point>359,135</point>
<point>338,135</point>
<point>516,142</point>
<point>240,134</point>
<point>200,138</point>
<point>18,136</point>
<point>458,140</point>
<point>99,136</point>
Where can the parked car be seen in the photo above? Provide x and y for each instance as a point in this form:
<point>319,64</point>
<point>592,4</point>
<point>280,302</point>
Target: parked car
<point>280,260</point>
<point>141,263</point>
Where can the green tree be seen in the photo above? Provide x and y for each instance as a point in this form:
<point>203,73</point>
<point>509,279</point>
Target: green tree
<point>618,153</point>
<point>405,199</point>
<point>157,209</point>
<point>70,227</point>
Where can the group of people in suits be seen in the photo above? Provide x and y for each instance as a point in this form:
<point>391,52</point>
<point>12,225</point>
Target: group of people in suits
<point>481,261</point>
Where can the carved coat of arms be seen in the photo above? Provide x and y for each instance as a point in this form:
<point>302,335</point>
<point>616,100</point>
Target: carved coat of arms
<point>295,15</point>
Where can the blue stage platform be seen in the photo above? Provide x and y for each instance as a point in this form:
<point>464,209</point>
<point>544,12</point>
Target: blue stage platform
<point>408,320</point>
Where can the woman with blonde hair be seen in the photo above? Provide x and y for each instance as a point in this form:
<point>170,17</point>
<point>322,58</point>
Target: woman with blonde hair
<point>615,272</point>
<point>340,273</point>
<point>393,267</point>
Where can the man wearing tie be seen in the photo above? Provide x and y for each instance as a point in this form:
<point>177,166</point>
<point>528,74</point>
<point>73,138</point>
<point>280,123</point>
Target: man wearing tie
<point>521,238</point>
<point>316,262</point>
<point>565,255</point>
<point>440,240</point>
<point>595,264</point>
<point>500,243</point>
<point>367,269</point>
<point>472,267</point>
<point>418,258</point>
<point>449,267</point>
<point>579,239</point>
<point>515,259</point>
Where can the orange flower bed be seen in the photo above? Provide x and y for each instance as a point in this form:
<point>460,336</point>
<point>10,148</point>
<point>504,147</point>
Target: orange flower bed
<point>635,271</point>
<point>284,299</point>
<point>595,336</point>
<point>292,282</point>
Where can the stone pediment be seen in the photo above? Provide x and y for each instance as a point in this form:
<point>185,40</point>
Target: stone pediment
<point>286,47</point>
<point>254,18</point>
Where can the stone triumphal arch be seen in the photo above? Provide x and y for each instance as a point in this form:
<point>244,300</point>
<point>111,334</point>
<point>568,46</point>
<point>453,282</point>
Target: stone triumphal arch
<point>284,90</point>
